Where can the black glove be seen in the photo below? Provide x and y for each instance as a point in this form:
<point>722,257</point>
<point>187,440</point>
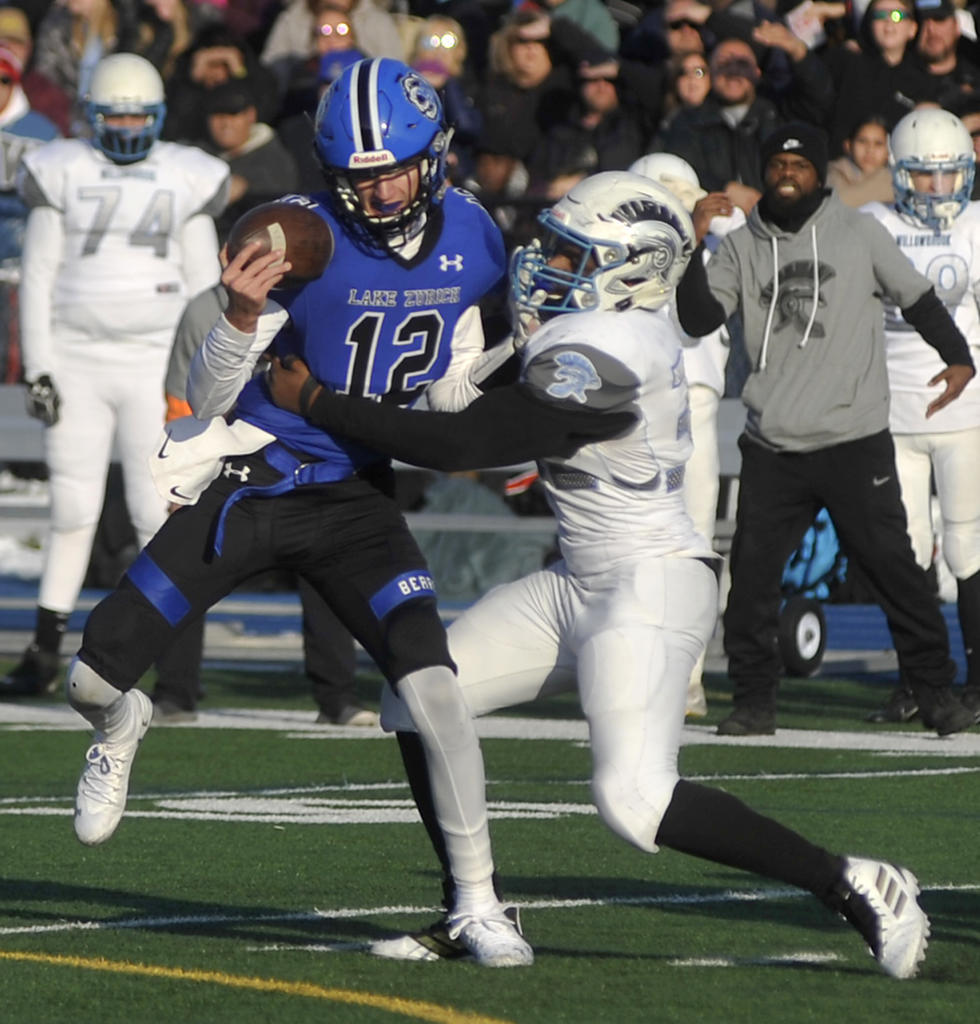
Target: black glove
<point>43,400</point>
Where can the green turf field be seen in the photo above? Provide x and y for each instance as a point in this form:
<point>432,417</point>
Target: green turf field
<point>260,856</point>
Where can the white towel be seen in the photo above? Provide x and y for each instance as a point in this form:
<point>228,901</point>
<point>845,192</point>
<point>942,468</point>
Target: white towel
<point>188,454</point>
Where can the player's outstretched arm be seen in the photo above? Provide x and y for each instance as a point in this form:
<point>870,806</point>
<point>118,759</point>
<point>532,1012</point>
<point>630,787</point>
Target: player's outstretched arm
<point>506,426</point>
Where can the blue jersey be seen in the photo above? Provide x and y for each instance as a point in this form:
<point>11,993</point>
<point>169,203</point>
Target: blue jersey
<point>378,327</point>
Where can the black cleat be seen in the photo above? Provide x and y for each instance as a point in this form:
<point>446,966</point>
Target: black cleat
<point>946,714</point>
<point>970,699</point>
<point>901,706</point>
<point>748,721</point>
<point>38,674</point>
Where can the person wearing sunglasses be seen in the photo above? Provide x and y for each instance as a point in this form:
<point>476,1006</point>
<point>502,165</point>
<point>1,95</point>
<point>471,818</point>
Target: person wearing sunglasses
<point>721,139</point>
<point>883,76</point>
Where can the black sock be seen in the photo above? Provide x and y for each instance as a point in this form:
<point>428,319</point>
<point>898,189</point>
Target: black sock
<point>968,612</point>
<point>712,824</point>
<point>49,628</point>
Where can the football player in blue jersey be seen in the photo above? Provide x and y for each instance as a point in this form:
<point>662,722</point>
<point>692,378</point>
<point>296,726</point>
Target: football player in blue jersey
<point>395,318</point>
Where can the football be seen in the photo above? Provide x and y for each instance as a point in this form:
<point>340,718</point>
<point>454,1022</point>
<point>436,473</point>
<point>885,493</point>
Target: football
<point>302,232</point>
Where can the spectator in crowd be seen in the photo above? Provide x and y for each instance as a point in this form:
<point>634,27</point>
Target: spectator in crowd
<point>533,61</point>
<point>98,310</point>
<point>42,94</point>
<point>882,77</point>
<point>816,434</point>
<point>605,130</point>
<point>688,85</point>
<point>664,32</point>
<point>592,16</point>
<point>162,33</point>
<point>937,45</point>
<point>295,131</point>
<point>439,54</point>
<point>290,40</point>
<point>721,139</point>
<point>335,46</point>
<point>72,38</point>
<point>966,106</point>
<point>862,174</point>
<point>262,169</point>
<point>216,55</point>
<point>938,229</point>
<point>21,129</point>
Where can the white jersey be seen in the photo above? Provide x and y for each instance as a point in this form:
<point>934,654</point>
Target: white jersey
<point>951,261</point>
<point>124,256</point>
<point>618,500</point>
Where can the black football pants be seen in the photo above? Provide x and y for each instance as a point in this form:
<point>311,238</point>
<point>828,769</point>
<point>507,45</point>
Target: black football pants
<point>779,496</point>
<point>346,539</point>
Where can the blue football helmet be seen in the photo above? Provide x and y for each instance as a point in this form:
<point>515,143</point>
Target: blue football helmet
<point>933,165</point>
<point>381,117</point>
<point>617,241</point>
<point>125,83</point>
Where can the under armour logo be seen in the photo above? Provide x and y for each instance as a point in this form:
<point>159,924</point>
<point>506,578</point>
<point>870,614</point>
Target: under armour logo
<point>450,263</point>
<point>574,376</point>
<point>242,473</point>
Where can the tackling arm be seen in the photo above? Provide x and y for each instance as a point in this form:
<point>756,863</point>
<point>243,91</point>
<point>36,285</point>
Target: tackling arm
<point>506,426</point>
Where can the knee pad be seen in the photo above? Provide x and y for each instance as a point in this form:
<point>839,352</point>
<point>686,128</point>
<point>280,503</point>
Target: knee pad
<point>961,548</point>
<point>86,690</point>
<point>633,815</point>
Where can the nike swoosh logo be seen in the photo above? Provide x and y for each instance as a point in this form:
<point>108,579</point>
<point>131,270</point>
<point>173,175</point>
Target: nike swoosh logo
<point>163,448</point>
<point>877,481</point>
<point>175,491</point>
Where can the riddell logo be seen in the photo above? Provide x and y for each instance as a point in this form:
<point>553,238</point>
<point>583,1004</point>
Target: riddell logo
<point>372,159</point>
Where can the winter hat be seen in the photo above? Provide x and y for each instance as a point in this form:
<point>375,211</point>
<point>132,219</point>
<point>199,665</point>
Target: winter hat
<point>799,137</point>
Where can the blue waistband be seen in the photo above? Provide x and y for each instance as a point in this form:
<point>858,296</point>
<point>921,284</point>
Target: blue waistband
<point>295,473</point>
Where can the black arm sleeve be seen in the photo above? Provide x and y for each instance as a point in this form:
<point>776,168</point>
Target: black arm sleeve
<point>504,427</point>
<point>932,320</point>
<point>697,309</point>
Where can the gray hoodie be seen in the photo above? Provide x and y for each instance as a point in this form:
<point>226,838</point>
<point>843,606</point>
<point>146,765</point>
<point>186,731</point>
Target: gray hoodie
<point>818,375</point>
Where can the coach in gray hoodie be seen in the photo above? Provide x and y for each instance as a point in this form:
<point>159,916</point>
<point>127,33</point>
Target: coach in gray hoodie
<point>808,276</point>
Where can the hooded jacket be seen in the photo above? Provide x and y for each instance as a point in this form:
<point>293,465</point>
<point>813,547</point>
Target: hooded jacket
<point>811,305</point>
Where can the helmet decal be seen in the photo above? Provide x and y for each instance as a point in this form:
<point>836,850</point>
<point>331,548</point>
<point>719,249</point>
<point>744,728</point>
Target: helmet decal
<point>421,94</point>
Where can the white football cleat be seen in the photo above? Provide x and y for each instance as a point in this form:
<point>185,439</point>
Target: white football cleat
<point>887,914</point>
<point>492,941</point>
<point>101,796</point>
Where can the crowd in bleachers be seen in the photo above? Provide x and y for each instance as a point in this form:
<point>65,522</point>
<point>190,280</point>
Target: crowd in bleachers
<point>540,94</point>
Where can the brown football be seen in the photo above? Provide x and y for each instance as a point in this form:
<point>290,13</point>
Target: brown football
<point>302,232</point>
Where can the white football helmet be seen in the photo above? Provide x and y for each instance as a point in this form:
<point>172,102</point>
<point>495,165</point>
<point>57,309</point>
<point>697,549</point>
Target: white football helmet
<point>933,164</point>
<point>125,83</point>
<point>674,173</point>
<point>616,241</point>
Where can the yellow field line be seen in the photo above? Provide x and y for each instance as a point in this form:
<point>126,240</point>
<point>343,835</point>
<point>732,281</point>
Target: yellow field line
<point>392,1004</point>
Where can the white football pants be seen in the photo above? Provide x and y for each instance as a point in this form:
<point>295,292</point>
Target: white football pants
<point>952,459</point>
<point>107,390</point>
<point>629,638</point>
